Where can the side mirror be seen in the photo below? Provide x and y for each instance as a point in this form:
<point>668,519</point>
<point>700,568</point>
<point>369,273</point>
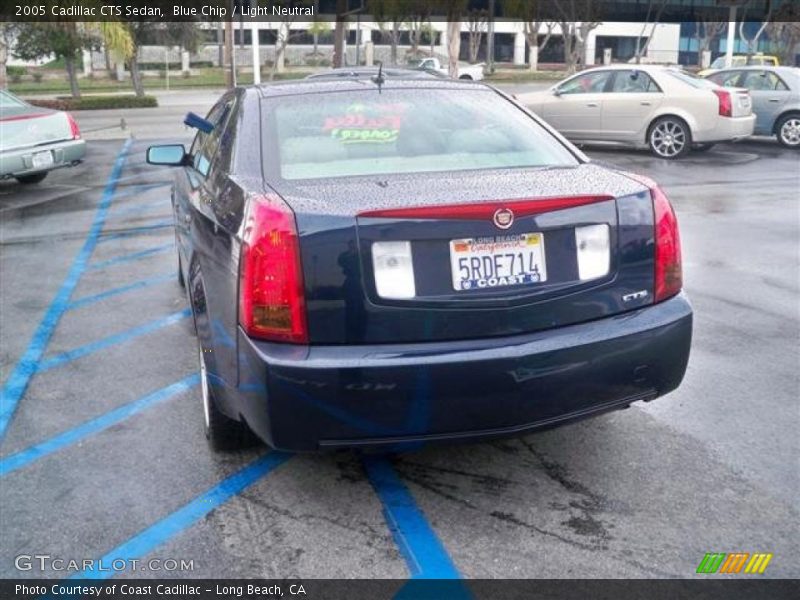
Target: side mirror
<point>172,155</point>
<point>556,92</point>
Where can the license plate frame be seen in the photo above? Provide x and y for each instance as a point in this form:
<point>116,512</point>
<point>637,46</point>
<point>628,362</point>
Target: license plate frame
<point>517,259</point>
<point>41,160</point>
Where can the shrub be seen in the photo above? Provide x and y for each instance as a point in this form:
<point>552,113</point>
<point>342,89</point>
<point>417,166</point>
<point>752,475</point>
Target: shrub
<point>37,77</point>
<point>16,70</point>
<point>97,102</point>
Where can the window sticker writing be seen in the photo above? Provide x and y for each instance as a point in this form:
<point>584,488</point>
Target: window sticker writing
<point>357,127</point>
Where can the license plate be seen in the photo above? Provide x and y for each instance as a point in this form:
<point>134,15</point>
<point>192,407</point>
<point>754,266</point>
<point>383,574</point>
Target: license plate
<point>490,262</point>
<point>744,101</point>
<point>42,159</point>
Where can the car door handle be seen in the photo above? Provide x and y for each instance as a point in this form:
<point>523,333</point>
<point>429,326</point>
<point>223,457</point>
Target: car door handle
<point>645,103</point>
<point>776,100</point>
<point>592,104</point>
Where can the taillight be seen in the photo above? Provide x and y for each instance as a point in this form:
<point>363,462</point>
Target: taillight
<point>668,271</point>
<point>271,294</point>
<point>73,127</point>
<point>725,103</point>
<point>669,274</point>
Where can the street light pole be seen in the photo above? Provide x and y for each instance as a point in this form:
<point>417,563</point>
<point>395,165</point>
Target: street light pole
<point>490,40</point>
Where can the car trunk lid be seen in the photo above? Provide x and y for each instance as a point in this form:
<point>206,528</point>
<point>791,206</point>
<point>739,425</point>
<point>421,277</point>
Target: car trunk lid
<point>579,247</point>
<point>20,129</point>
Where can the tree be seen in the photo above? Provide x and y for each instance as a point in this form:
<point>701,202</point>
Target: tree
<point>317,29</point>
<point>752,42</point>
<point>706,32</point>
<point>654,10</point>
<point>453,10</point>
<point>418,15</point>
<point>530,13</point>
<point>67,40</point>
<point>7,33</point>
<point>389,15</point>
<point>784,32</point>
<point>477,24</point>
<point>576,33</point>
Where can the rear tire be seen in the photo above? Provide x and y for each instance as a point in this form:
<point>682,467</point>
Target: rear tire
<point>181,280</point>
<point>29,179</point>
<point>670,138</point>
<point>788,131</point>
<point>222,432</point>
<point>703,147</point>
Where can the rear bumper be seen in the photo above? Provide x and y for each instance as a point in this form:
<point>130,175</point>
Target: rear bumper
<point>20,162</point>
<point>727,129</point>
<point>309,398</point>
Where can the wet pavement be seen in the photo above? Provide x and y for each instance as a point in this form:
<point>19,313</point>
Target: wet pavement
<point>105,454</point>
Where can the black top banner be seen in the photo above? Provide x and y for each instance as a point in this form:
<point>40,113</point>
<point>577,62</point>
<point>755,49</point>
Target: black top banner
<point>395,10</point>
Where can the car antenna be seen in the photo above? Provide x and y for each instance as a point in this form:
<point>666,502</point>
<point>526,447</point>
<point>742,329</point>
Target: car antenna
<point>379,78</point>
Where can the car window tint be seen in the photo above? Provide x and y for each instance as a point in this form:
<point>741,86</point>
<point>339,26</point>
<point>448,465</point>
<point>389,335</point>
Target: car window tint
<point>206,143</point>
<point>343,134</point>
<point>763,81</point>
<point>586,83</point>
<point>633,82</point>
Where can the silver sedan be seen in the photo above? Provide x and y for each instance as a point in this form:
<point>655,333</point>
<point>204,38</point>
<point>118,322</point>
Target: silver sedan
<point>776,98</point>
<point>34,141</point>
<point>665,108</point>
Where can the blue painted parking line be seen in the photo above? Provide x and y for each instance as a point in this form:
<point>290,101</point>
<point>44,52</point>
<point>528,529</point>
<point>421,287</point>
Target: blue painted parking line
<point>136,285</point>
<point>76,434</point>
<point>173,524</point>
<point>137,230</point>
<point>131,257</point>
<point>419,545</point>
<point>16,384</point>
<point>118,338</point>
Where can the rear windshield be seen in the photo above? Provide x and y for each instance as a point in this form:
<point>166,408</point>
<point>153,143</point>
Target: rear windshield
<point>692,80</point>
<point>350,134</point>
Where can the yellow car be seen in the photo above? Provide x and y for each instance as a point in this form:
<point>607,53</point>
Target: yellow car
<point>741,60</point>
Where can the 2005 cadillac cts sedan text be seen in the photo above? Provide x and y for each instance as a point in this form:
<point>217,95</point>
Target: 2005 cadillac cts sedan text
<point>389,263</point>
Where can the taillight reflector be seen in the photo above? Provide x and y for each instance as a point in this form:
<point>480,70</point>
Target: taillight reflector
<point>725,103</point>
<point>669,272</point>
<point>73,127</point>
<point>271,292</point>
<point>668,262</point>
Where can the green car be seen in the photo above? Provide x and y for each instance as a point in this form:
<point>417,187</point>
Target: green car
<point>36,140</point>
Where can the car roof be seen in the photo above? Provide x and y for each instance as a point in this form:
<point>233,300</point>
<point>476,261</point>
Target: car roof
<point>356,72</point>
<point>323,84</point>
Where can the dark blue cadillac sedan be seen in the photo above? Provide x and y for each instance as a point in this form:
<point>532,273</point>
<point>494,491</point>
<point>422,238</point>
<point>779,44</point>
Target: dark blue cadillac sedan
<point>391,263</point>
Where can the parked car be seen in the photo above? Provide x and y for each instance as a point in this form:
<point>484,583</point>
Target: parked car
<point>425,260</point>
<point>465,71</point>
<point>776,99</point>
<point>36,140</point>
<point>756,60</point>
<point>665,108</point>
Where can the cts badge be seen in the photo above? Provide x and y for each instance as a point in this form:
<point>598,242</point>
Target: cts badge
<point>635,296</point>
<point>503,218</point>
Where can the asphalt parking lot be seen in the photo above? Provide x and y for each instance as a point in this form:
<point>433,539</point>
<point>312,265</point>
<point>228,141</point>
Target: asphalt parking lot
<point>105,454</point>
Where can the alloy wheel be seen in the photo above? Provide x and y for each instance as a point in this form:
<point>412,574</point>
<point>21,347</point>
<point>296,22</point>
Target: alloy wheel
<point>668,138</point>
<point>790,132</point>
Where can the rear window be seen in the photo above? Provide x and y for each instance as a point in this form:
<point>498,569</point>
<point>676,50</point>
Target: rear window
<point>350,134</point>
<point>693,80</point>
